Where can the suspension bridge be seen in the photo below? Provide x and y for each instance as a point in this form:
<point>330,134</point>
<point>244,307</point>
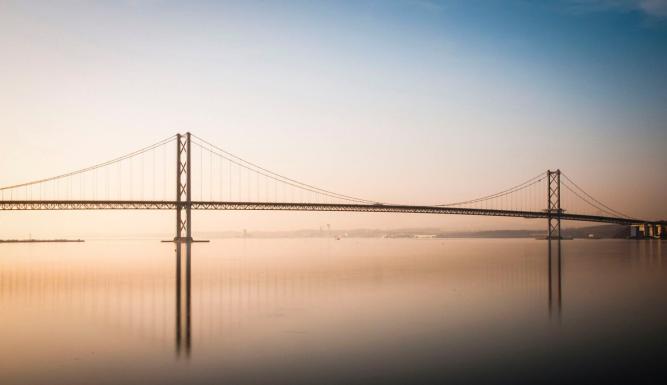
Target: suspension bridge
<point>185,172</point>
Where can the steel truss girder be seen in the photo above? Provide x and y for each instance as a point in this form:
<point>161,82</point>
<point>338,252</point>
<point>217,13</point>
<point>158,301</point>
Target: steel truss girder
<point>304,206</point>
<point>87,205</point>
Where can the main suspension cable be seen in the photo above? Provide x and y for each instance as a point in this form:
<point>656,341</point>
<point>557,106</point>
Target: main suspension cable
<point>275,176</point>
<point>536,179</point>
<point>616,212</point>
<point>99,165</point>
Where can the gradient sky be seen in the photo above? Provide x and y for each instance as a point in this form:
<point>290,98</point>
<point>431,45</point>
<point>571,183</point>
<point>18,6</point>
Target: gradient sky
<point>401,101</point>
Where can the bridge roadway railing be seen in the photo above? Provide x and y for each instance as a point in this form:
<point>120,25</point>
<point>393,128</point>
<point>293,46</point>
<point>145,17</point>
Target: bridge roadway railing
<point>289,206</point>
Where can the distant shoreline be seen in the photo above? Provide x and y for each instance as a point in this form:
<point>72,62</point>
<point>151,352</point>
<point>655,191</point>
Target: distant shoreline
<point>39,240</point>
<point>589,232</point>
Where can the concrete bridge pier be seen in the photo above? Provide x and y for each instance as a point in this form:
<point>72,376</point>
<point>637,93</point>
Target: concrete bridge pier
<point>648,231</point>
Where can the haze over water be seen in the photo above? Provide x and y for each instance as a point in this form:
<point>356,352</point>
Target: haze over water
<point>119,117</point>
<point>295,311</point>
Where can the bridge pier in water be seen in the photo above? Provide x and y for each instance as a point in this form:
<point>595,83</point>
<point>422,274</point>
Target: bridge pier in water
<point>648,231</point>
<point>657,231</point>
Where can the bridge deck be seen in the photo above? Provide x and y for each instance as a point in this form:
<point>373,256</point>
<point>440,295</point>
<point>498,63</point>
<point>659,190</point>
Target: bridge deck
<point>285,206</point>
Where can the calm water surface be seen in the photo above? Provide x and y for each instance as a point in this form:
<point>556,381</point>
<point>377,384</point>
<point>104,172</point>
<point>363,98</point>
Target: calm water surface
<point>314,311</point>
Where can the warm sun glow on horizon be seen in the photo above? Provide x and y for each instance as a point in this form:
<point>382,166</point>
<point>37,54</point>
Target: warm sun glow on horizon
<point>333,192</point>
<point>406,103</point>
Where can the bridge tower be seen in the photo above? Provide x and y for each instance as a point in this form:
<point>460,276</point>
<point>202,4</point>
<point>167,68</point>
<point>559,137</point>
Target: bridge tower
<point>183,189</point>
<point>553,204</point>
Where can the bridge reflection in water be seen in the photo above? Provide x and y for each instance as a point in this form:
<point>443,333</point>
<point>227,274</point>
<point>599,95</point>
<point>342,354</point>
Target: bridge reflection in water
<point>351,308</point>
<point>183,298</point>
<point>555,268</point>
<point>183,294</point>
